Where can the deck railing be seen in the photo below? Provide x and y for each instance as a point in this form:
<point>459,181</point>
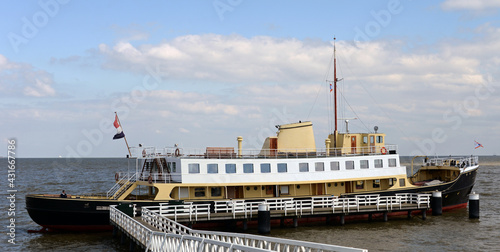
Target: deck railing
<point>153,152</point>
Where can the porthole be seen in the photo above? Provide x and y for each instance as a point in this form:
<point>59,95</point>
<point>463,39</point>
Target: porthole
<point>342,184</point>
<point>263,187</point>
<point>329,184</point>
<point>255,188</point>
<point>298,186</point>
<point>248,188</point>
<point>335,184</point>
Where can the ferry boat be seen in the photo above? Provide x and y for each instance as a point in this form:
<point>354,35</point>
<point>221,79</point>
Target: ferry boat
<point>289,165</point>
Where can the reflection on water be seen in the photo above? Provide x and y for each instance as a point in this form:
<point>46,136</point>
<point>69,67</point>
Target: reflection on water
<point>452,231</point>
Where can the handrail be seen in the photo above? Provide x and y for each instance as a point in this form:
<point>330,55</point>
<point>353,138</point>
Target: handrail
<point>153,152</point>
<point>289,205</point>
<point>261,243</point>
<point>121,184</point>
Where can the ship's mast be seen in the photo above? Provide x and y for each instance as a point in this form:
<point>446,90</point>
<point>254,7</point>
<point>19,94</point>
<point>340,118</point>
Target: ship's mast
<point>335,92</point>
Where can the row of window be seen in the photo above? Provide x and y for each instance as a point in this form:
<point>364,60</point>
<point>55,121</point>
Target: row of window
<point>284,189</point>
<point>283,168</point>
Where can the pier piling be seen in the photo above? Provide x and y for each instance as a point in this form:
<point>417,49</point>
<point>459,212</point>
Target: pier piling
<point>473,206</point>
<point>264,219</point>
<point>437,203</point>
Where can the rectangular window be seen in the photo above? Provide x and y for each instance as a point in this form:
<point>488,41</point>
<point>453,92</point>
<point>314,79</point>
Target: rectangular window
<point>230,168</point>
<point>391,181</point>
<point>319,166</point>
<point>392,162</point>
<point>174,167</point>
<point>303,167</point>
<point>365,139</point>
<point>379,163</point>
<point>372,140</point>
<point>194,168</point>
<point>402,182</point>
<point>334,166</point>
<point>265,168</point>
<point>349,165</point>
<point>284,189</point>
<point>380,139</point>
<point>376,183</point>
<point>212,168</point>
<point>248,168</point>
<point>199,192</point>
<point>183,192</point>
<point>364,164</point>
<point>215,191</point>
<point>282,167</point>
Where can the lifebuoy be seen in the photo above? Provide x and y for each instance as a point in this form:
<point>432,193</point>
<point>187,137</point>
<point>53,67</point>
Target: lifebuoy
<point>177,152</point>
<point>117,176</point>
<point>150,179</point>
<point>383,150</point>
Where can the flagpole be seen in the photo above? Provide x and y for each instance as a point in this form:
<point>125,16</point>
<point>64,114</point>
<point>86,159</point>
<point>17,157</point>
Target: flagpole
<point>124,137</point>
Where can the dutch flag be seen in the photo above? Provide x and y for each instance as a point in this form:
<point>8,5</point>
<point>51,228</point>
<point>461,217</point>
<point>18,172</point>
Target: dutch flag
<point>119,131</point>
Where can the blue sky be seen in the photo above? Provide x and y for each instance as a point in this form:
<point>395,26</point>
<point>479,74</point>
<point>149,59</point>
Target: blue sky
<point>201,73</point>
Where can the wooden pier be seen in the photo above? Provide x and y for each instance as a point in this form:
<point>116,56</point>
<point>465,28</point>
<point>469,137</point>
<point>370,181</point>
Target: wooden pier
<point>158,227</point>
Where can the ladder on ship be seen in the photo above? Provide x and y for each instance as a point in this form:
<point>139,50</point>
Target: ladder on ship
<point>163,169</point>
<point>122,186</point>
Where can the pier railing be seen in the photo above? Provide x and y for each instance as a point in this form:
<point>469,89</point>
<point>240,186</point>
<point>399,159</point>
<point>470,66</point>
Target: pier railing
<point>165,241</point>
<point>239,241</point>
<point>289,206</point>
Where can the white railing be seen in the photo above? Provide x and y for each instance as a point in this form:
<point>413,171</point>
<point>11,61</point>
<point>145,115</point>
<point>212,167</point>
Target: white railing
<point>163,241</point>
<point>460,162</point>
<point>153,152</point>
<point>242,209</point>
<point>124,180</point>
<point>243,242</point>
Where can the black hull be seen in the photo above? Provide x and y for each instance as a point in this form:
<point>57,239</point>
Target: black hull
<point>73,214</point>
<point>93,215</point>
<point>454,193</point>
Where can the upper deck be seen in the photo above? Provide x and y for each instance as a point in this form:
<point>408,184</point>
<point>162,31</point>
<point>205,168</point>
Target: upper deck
<point>230,153</point>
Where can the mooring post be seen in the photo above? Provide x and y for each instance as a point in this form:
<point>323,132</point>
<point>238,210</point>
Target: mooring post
<point>409,214</point>
<point>437,203</point>
<point>264,219</point>
<point>342,219</point>
<point>386,216</point>
<point>424,214</point>
<point>295,221</point>
<point>473,206</point>
<point>370,217</point>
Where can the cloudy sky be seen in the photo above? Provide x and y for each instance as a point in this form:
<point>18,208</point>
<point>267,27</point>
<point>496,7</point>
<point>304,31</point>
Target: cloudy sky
<point>201,73</point>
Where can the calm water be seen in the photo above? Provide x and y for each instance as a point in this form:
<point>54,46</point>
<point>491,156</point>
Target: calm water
<point>452,231</point>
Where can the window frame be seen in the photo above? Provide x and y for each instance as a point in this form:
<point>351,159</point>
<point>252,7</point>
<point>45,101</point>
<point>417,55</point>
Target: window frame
<point>230,166</point>
<point>246,167</point>
<point>303,168</point>
<point>262,166</point>
<point>194,168</point>
<point>212,168</point>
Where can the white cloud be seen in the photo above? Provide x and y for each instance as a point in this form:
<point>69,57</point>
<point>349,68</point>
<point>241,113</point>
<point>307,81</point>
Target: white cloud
<point>40,89</point>
<point>21,80</point>
<point>476,5</point>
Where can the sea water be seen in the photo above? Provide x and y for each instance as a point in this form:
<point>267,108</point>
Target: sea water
<point>453,231</point>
